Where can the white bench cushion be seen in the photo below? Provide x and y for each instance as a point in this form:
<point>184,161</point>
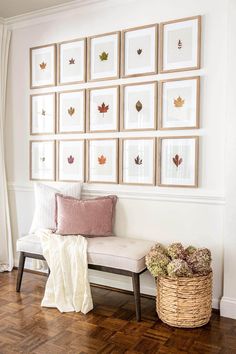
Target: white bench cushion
<point>115,252</point>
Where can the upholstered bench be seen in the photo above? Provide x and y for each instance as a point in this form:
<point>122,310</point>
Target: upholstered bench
<point>125,256</point>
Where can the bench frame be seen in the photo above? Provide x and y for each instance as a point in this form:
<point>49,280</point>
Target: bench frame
<point>135,277</point>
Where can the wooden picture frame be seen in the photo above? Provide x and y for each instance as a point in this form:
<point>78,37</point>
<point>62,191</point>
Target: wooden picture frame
<point>154,65</point>
<point>102,158</point>
<point>72,61</point>
<point>179,101</point>
<point>53,162</point>
<point>104,56</point>
<point>104,106</point>
<point>177,161</point>
<point>138,161</point>
<point>139,106</point>
<point>71,160</point>
<point>44,111</point>
<point>72,111</point>
<point>42,82</point>
<point>196,62</point>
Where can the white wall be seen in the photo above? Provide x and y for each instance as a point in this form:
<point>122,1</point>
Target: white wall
<point>228,302</point>
<point>165,215</point>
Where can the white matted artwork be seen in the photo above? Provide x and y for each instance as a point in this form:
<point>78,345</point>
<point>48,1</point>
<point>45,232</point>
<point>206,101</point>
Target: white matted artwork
<point>103,109</point>
<point>104,57</point>
<point>139,106</point>
<point>179,103</point>
<point>71,160</point>
<point>180,44</point>
<point>42,160</point>
<point>139,51</point>
<point>42,111</point>
<point>178,161</point>
<point>43,66</point>
<point>72,61</point>
<point>103,160</point>
<point>71,115</point>
<point>138,161</point>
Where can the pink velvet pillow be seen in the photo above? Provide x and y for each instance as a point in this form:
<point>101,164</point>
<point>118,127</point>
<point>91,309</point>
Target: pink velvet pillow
<point>91,217</point>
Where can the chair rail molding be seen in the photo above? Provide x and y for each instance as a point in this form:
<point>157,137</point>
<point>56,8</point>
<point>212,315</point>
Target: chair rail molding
<point>136,193</point>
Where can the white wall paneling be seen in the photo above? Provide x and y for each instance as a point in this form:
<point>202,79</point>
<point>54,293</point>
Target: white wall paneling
<point>161,214</point>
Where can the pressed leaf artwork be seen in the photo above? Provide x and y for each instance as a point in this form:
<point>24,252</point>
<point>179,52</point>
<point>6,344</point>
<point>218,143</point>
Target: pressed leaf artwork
<point>103,108</point>
<point>138,160</point>
<point>179,102</point>
<point>138,106</point>
<point>71,111</point>
<point>139,51</point>
<point>70,159</point>
<point>42,159</point>
<point>102,160</point>
<point>177,160</point>
<point>43,65</point>
<point>180,44</point>
<point>43,113</point>
<point>103,56</point>
<point>71,61</point>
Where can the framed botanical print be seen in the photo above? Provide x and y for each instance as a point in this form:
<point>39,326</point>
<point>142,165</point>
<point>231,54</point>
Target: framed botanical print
<point>71,160</point>
<point>139,51</point>
<point>103,109</point>
<point>42,160</point>
<point>71,112</point>
<point>179,102</point>
<point>180,44</point>
<point>43,66</point>
<point>42,113</point>
<point>138,106</point>
<point>102,160</point>
<point>72,62</point>
<point>178,161</point>
<point>137,161</point>
<point>104,57</point>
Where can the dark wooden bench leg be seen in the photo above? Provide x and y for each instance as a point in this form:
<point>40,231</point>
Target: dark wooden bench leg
<point>136,288</point>
<point>20,271</point>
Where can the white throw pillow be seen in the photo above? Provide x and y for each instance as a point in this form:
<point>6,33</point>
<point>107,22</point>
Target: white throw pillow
<point>44,215</point>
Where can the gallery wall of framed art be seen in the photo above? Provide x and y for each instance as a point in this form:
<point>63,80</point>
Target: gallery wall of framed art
<point>114,133</point>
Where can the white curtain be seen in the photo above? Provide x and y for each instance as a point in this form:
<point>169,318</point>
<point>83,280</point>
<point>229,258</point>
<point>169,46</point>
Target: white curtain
<point>6,252</point>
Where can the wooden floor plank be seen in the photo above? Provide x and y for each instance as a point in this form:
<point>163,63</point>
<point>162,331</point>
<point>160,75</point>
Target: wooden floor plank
<point>26,327</point>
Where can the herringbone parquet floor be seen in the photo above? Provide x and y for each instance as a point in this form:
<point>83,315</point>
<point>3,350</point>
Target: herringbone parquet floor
<point>25,327</point>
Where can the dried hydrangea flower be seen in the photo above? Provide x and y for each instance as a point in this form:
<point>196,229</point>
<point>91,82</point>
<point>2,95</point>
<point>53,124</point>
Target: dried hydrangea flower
<point>200,261</point>
<point>189,250</point>
<point>159,247</point>
<point>156,262</point>
<point>155,269</point>
<point>176,251</point>
<point>179,268</point>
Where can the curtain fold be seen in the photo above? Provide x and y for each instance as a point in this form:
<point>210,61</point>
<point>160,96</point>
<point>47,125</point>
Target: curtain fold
<point>6,250</point>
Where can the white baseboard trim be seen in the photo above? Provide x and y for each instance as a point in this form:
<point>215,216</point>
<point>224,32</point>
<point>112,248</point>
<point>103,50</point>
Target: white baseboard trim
<point>126,285</point>
<point>228,307</point>
<point>119,281</point>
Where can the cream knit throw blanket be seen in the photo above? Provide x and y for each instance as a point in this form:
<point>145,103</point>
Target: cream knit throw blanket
<point>67,286</point>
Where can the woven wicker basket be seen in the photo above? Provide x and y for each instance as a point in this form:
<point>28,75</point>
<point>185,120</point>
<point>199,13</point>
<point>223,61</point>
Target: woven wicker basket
<point>184,302</point>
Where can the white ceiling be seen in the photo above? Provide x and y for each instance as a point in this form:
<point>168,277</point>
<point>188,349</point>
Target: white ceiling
<point>9,8</point>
